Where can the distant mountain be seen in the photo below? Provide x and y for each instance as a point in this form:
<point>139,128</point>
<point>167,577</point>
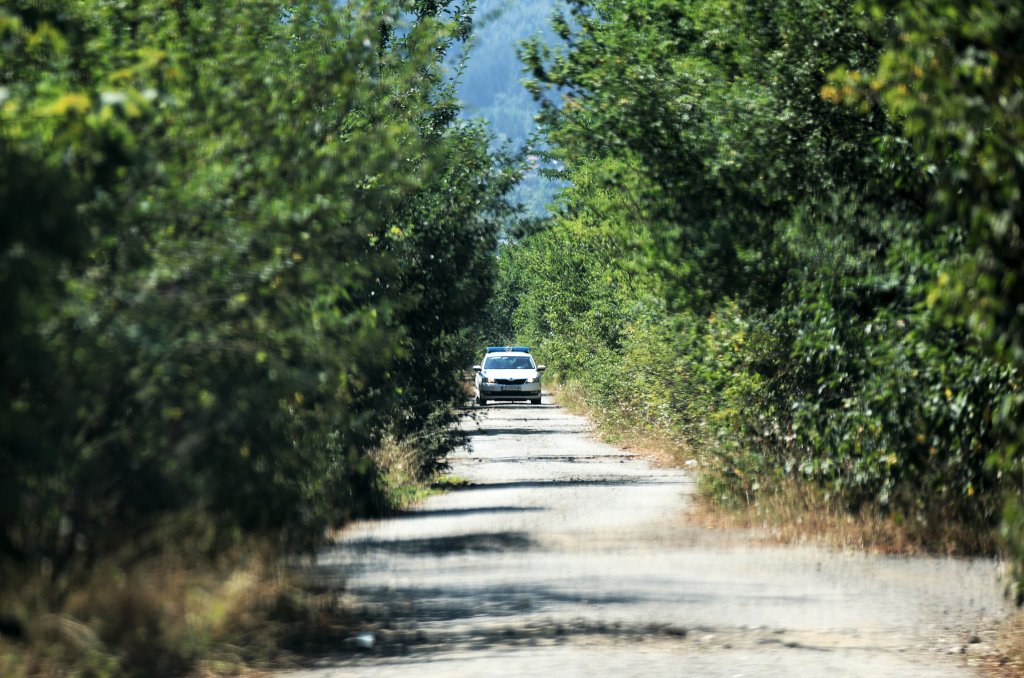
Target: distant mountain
<point>490,86</point>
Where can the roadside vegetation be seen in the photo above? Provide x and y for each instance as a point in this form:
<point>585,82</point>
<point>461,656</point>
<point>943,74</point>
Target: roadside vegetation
<point>792,244</point>
<point>241,242</point>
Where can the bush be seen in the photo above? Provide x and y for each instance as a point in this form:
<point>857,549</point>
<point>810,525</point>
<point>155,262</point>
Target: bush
<point>763,252</point>
<point>241,244</point>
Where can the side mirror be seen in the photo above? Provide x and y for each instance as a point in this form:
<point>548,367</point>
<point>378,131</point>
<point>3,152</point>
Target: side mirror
<point>477,368</point>
<point>541,368</point>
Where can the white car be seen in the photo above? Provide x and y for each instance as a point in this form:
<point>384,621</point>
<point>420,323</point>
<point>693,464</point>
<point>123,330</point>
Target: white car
<point>508,373</point>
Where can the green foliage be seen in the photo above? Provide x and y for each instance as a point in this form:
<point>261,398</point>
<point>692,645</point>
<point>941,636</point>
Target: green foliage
<point>755,267</point>
<point>240,243</point>
<point>950,76</point>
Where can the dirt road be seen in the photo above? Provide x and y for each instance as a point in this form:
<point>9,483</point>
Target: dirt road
<point>568,557</point>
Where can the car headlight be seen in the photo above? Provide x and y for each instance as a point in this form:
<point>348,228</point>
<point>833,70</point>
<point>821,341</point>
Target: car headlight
<point>490,380</point>
<point>531,380</point>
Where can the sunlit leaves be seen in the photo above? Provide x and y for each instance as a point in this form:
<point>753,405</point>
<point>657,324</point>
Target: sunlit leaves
<point>229,228</point>
<point>814,180</point>
<point>950,75</point>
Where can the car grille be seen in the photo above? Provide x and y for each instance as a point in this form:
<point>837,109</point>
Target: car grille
<point>511,382</point>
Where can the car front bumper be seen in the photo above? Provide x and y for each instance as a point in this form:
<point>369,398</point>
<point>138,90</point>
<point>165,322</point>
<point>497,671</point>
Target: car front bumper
<point>496,392</point>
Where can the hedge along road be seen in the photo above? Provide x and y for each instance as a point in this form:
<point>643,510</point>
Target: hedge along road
<point>566,556</point>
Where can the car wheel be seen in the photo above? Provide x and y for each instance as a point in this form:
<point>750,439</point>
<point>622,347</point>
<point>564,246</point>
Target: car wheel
<point>535,401</point>
<point>481,401</point>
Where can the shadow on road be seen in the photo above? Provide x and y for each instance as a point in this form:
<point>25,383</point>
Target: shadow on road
<point>586,545</point>
<point>426,623</point>
<point>482,542</point>
<point>446,585</point>
<point>524,484</point>
<point>438,513</point>
<point>525,430</point>
<point>396,607</point>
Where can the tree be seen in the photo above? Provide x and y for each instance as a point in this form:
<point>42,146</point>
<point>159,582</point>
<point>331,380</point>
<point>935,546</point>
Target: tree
<point>950,76</point>
<point>782,292</point>
<point>230,229</point>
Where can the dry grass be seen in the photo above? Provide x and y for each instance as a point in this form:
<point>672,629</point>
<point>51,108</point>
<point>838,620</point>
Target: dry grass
<point>400,465</point>
<point>795,512</point>
<point>655,446</point>
<point>167,607</point>
<point>404,483</point>
<point>1012,644</point>
<point>790,511</point>
<point>1008,659</point>
<point>165,615</point>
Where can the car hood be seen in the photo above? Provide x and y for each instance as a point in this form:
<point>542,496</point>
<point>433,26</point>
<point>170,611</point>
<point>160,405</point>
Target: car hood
<point>510,374</point>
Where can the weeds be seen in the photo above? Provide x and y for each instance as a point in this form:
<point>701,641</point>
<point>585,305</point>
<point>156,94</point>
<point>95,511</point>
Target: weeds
<point>792,511</point>
<point>401,473</point>
<point>653,443</point>
<point>404,482</point>
<point>167,615</point>
<point>183,600</point>
<point>1011,644</point>
<point>449,482</point>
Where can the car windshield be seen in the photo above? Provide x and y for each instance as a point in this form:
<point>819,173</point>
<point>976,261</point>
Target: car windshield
<point>509,362</point>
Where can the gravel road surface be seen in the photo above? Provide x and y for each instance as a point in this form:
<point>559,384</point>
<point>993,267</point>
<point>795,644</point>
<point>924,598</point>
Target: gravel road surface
<point>567,556</point>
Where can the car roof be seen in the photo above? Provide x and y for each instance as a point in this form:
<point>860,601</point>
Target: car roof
<point>507,349</point>
<point>507,353</point>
